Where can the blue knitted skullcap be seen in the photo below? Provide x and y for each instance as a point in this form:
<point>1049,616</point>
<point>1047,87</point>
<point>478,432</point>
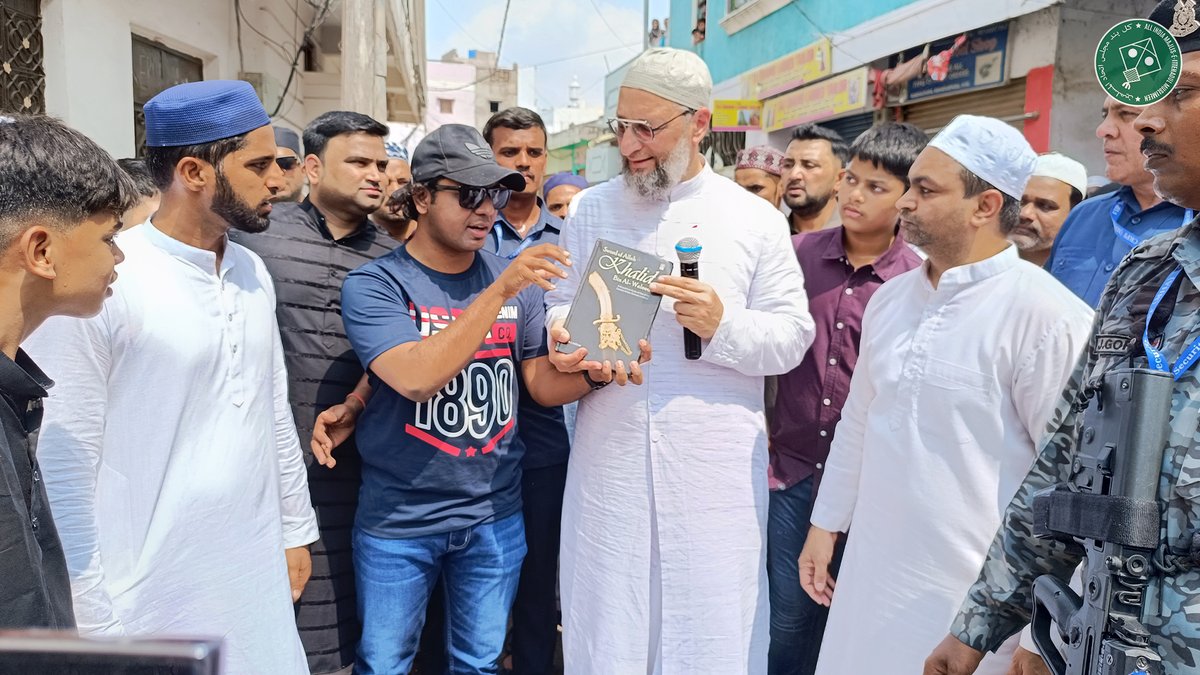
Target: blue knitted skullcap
<point>194,113</point>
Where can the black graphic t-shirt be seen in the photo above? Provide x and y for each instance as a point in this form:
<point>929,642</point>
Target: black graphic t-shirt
<point>453,461</point>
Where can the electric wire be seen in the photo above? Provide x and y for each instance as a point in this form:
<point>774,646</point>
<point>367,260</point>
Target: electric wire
<point>606,23</point>
<point>503,25</point>
<point>823,32</point>
<point>237,16</point>
<point>572,57</point>
<point>456,23</point>
<point>318,19</point>
<point>283,51</point>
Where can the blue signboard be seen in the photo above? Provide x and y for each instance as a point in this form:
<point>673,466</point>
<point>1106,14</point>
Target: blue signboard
<point>979,64</point>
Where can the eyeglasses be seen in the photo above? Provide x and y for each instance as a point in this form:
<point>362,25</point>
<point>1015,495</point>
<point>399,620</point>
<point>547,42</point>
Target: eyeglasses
<point>287,163</point>
<point>471,197</point>
<point>641,128</point>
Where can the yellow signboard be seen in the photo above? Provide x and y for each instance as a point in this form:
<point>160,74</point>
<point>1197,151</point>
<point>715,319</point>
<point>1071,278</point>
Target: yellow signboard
<point>801,67</point>
<point>843,94</point>
<point>731,115</point>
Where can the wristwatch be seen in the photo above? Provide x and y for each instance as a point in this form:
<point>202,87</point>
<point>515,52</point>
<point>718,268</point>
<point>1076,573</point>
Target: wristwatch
<point>592,383</point>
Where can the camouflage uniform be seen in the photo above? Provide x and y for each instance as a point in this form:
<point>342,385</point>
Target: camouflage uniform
<point>1000,601</point>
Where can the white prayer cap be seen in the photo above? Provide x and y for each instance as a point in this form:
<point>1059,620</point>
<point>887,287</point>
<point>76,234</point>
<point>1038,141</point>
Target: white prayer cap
<point>674,74</point>
<point>990,149</point>
<point>1063,168</point>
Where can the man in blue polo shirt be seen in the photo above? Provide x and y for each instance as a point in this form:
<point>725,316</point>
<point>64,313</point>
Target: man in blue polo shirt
<point>518,138</point>
<point>1102,230</point>
<point>445,332</point>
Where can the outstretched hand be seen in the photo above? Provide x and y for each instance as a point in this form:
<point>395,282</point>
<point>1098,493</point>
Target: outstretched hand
<point>600,371</point>
<point>331,428</point>
<point>536,265</point>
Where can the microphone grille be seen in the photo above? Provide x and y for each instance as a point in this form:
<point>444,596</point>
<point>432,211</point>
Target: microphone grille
<point>688,250</point>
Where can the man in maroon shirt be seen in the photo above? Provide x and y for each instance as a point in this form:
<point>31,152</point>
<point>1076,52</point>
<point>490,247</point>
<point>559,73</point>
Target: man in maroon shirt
<point>843,266</point>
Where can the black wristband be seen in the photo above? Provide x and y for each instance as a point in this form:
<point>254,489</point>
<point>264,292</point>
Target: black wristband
<point>592,383</point>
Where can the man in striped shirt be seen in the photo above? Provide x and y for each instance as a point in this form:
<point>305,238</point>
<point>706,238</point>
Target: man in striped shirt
<point>309,249</point>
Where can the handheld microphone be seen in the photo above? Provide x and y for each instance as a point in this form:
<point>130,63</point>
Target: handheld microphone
<point>688,250</point>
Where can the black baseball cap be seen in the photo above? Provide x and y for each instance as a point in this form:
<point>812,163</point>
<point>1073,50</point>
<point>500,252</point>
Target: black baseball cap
<point>458,152</point>
<point>286,138</point>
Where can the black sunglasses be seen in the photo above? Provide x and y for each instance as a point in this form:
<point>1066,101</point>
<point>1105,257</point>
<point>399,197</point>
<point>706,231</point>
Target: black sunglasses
<point>471,197</point>
<point>287,163</point>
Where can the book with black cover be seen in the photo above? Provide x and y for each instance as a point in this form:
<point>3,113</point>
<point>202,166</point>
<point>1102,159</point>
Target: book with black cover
<point>614,308</point>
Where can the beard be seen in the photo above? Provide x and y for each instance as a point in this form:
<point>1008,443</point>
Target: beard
<point>239,214</point>
<point>668,172</point>
<point>808,206</point>
<point>914,232</point>
<point>1028,237</point>
<point>385,215</point>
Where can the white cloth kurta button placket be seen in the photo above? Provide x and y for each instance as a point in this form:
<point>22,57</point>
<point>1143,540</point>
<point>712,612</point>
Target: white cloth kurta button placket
<point>952,390</point>
<point>197,500</point>
<point>645,554</point>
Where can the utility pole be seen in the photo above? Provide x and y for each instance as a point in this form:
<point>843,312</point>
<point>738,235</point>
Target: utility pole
<point>358,56</point>
<point>645,25</point>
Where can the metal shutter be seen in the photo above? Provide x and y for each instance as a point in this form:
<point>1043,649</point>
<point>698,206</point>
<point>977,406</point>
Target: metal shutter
<point>850,127</point>
<point>1006,103</point>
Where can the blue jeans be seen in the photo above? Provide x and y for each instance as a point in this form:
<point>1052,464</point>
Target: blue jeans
<point>480,567</point>
<point>797,623</point>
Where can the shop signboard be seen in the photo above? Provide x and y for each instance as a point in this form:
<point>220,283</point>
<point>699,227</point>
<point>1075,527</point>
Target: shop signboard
<point>803,66</point>
<point>729,115</point>
<point>847,93</point>
<point>981,63</point>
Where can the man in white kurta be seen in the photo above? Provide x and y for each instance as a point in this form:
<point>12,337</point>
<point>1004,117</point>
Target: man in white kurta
<point>664,516</point>
<point>170,457</point>
<point>962,361</point>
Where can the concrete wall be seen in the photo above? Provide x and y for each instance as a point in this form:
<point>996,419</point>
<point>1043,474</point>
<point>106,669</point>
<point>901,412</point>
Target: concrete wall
<point>1062,36</point>
<point>1077,94</point>
<point>612,87</point>
<point>89,69</point>
<point>778,34</point>
<point>496,84</point>
<point>453,81</point>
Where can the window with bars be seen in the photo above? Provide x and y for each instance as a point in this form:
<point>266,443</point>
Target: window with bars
<point>22,74</point>
<point>155,68</point>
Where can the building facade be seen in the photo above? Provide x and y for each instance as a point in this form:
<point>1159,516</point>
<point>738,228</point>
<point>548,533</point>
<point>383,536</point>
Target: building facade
<point>468,90</point>
<point>94,64</point>
<point>778,64</point>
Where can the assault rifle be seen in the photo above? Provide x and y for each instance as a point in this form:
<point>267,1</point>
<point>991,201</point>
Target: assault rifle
<point>1110,506</point>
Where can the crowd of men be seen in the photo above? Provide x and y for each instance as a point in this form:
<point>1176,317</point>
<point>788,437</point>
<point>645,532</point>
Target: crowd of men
<point>309,401</point>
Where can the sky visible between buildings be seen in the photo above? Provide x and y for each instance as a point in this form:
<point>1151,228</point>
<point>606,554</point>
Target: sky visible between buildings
<point>554,41</point>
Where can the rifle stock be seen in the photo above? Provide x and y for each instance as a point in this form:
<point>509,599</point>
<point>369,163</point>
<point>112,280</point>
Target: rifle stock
<point>1110,506</point>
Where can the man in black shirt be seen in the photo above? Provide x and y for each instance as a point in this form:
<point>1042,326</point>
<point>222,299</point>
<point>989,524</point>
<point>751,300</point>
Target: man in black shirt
<point>309,249</point>
<point>62,198</point>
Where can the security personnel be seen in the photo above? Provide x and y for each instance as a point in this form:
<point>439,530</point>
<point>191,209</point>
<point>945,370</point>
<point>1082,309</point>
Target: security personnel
<point>1128,332</point>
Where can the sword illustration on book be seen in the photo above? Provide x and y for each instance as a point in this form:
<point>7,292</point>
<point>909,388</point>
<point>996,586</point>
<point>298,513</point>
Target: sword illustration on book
<point>611,336</point>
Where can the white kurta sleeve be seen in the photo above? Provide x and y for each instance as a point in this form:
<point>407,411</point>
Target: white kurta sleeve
<point>834,508</point>
<point>558,301</point>
<point>299,518</point>
<point>770,335</point>
<point>76,354</point>
<point>1040,378</point>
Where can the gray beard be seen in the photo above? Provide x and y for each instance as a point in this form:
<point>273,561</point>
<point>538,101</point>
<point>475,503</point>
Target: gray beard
<point>657,184</point>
